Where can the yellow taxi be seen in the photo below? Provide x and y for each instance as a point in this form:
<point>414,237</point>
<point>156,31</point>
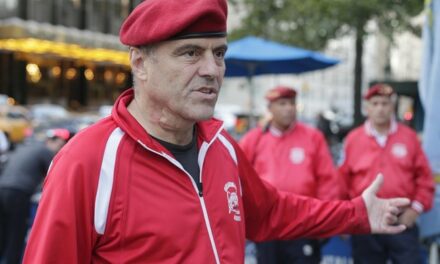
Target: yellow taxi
<point>15,122</point>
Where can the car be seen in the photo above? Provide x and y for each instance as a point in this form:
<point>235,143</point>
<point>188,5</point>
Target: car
<point>44,112</point>
<point>105,110</point>
<point>15,122</point>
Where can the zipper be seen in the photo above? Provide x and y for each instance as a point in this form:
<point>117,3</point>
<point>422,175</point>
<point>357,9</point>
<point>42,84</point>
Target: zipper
<point>199,192</point>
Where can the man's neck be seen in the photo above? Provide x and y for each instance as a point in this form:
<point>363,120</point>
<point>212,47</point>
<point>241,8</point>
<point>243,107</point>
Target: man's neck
<point>382,129</point>
<point>161,123</point>
<point>281,128</point>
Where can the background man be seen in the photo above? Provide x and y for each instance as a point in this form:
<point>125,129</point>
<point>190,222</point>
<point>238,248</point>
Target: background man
<point>163,182</point>
<point>294,158</point>
<point>382,145</point>
<point>24,171</point>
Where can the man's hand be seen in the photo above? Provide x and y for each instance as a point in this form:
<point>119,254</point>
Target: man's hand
<point>383,213</point>
<point>408,217</point>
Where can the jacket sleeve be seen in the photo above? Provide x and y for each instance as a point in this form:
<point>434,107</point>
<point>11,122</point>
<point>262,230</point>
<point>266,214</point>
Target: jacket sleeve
<point>424,181</point>
<point>63,230</point>
<point>329,184</point>
<point>270,214</point>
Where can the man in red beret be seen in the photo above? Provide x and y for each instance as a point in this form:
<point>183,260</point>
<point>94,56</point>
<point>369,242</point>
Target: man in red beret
<point>160,181</point>
<point>383,146</point>
<point>294,158</point>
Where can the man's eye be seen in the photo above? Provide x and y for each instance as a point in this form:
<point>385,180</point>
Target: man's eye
<point>220,54</point>
<point>190,53</point>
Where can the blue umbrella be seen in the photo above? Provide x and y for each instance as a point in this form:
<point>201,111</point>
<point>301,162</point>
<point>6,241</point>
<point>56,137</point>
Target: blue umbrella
<point>251,56</point>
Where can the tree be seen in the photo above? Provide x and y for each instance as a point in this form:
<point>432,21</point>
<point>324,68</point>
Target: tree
<point>312,23</point>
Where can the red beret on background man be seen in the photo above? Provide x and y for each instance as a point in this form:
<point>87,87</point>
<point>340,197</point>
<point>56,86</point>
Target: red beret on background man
<point>61,133</point>
<point>153,21</point>
<point>379,89</point>
<point>280,92</point>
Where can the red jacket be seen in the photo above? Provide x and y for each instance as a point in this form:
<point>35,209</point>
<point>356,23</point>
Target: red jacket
<point>296,161</point>
<point>401,160</point>
<point>115,195</point>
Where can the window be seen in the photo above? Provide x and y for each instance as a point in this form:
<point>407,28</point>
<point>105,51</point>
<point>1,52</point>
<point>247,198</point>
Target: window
<point>96,13</point>
<point>8,8</point>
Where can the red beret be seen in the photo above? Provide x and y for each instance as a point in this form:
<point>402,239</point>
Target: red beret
<point>379,89</point>
<point>280,92</point>
<point>158,20</point>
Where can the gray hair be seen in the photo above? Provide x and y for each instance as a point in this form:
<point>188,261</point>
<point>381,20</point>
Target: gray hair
<point>149,52</point>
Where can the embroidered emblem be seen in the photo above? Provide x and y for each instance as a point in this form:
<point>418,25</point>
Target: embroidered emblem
<point>231,195</point>
<point>399,150</point>
<point>297,155</point>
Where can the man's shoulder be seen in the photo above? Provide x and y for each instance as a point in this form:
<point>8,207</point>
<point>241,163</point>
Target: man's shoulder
<point>253,133</point>
<point>356,133</point>
<point>402,128</point>
<point>92,139</point>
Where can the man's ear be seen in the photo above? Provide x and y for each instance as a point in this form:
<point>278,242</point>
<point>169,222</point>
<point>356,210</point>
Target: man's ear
<point>138,67</point>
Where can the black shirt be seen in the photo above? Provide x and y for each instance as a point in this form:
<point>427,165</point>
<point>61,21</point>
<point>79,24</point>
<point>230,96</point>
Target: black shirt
<point>187,155</point>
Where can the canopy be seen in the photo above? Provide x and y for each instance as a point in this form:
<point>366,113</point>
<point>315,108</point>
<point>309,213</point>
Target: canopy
<point>255,56</point>
<point>252,56</point>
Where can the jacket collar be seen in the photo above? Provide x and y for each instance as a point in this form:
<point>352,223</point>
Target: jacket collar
<point>278,133</point>
<point>206,130</point>
<point>372,132</point>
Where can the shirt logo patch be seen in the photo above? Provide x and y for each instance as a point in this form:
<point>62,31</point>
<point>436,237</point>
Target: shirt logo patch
<point>399,150</point>
<point>297,155</point>
<point>232,197</point>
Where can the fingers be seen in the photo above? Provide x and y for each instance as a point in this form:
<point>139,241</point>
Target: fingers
<point>393,229</point>
<point>375,185</point>
<point>394,210</point>
<point>391,219</point>
<point>399,202</point>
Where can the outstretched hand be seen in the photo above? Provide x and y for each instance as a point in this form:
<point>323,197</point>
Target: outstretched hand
<point>383,213</point>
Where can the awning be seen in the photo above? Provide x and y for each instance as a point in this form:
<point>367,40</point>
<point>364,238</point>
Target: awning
<point>42,38</point>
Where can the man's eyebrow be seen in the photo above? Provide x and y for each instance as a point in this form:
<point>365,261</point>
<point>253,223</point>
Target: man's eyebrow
<point>223,47</point>
<point>181,49</point>
<point>186,47</point>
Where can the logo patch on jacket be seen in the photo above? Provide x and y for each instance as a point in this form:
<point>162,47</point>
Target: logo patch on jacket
<point>297,155</point>
<point>232,197</point>
<point>399,150</point>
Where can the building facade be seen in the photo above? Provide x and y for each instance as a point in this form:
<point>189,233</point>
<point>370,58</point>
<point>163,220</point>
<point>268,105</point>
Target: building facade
<point>63,51</point>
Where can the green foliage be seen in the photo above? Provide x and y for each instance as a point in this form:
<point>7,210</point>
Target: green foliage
<point>311,23</point>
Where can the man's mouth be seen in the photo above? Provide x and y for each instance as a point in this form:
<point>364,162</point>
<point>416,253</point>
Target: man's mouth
<point>206,90</point>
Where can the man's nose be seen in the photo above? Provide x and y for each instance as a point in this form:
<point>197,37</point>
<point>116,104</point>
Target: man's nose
<point>210,67</point>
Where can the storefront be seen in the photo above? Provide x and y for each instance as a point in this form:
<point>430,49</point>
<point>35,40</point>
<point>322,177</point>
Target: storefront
<point>46,63</point>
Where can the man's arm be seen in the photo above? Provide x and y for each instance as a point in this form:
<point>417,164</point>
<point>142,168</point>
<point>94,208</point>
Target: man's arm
<point>278,215</point>
<point>424,182</point>
<point>424,186</point>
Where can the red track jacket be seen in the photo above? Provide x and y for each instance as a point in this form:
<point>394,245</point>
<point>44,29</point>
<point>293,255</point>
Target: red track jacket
<point>402,162</point>
<point>296,161</point>
<point>115,195</point>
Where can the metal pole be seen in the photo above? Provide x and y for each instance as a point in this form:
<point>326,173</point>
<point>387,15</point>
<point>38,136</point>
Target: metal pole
<point>252,113</point>
<point>433,253</point>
